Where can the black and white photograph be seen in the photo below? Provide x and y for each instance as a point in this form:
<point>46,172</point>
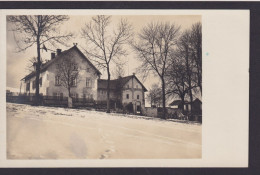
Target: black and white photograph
<point>124,88</point>
<point>104,87</point>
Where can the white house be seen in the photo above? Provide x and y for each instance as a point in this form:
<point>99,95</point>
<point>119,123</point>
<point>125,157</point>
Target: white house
<point>85,86</point>
<point>125,90</point>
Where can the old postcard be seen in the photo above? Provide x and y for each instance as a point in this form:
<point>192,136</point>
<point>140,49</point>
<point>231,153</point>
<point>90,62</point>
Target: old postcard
<point>123,88</point>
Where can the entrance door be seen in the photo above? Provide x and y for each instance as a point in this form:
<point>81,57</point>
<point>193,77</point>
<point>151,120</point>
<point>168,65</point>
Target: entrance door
<point>138,107</point>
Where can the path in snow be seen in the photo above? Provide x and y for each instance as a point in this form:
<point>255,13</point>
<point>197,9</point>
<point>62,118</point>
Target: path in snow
<point>60,133</point>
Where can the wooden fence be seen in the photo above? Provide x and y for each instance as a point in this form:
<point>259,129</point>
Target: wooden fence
<point>51,101</point>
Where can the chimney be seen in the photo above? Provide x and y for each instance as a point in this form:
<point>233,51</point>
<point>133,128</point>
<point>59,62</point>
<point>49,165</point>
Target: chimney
<point>52,55</point>
<point>58,51</point>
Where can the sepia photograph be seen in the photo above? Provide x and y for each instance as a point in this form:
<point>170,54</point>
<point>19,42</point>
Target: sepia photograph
<point>104,87</point>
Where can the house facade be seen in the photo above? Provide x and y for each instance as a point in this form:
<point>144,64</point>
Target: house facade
<point>85,86</point>
<point>126,90</point>
<point>88,85</point>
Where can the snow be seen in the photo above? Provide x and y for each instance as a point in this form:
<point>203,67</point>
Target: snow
<point>62,133</point>
<point>17,90</point>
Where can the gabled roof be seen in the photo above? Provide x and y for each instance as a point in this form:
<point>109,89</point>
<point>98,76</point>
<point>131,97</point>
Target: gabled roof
<point>176,103</point>
<point>47,64</point>
<point>102,83</point>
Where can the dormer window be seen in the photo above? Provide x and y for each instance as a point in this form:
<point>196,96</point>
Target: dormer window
<point>128,86</point>
<point>88,69</point>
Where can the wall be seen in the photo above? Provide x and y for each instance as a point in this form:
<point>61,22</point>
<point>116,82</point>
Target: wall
<point>150,112</point>
<point>102,95</point>
<point>42,89</point>
<point>131,89</point>
<point>49,87</point>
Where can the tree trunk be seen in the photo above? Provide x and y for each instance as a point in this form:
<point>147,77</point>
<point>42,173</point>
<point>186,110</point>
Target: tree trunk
<point>69,91</point>
<point>182,104</point>
<point>70,102</point>
<point>199,67</point>
<point>38,67</point>
<point>163,99</point>
<point>108,90</point>
<point>189,75</point>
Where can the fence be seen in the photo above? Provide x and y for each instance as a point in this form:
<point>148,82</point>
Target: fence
<point>170,112</point>
<point>50,101</point>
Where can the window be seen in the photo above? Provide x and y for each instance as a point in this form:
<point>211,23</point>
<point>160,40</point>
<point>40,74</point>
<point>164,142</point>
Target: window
<point>75,67</point>
<point>127,96</point>
<point>88,69</point>
<point>88,82</point>
<point>57,81</point>
<point>128,86</point>
<point>40,81</point>
<point>136,86</point>
<point>137,96</point>
<point>33,84</point>
<point>73,81</point>
<point>28,86</point>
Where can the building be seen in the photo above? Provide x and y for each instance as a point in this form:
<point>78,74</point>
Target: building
<point>196,108</point>
<point>125,90</point>
<point>177,104</point>
<point>84,87</point>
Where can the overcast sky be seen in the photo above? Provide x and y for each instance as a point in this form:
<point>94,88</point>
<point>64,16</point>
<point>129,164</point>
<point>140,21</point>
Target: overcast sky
<point>16,62</point>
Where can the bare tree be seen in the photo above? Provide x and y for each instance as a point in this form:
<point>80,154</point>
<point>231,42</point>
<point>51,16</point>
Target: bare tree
<point>39,30</point>
<point>119,70</point>
<point>185,53</point>
<point>106,45</point>
<point>154,96</point>
<point>67,74</point>
<point>31,64</point>
<point>196,46</point>
<point>156,43</point>
<point>176,78</point>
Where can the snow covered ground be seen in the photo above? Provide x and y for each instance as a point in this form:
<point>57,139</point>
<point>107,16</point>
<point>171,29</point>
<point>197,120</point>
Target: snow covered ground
<point>60,133</point>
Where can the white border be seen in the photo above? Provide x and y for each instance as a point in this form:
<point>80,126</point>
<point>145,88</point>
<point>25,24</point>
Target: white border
<point>225,92</point>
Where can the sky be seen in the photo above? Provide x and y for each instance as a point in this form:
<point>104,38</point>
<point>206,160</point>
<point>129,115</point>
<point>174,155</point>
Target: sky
<point>17,61</point>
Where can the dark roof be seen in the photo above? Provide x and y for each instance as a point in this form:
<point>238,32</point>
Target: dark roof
<point>114,84</point>
<point>47,64</point>
<point>196,101</point>
<point>176,102</point>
